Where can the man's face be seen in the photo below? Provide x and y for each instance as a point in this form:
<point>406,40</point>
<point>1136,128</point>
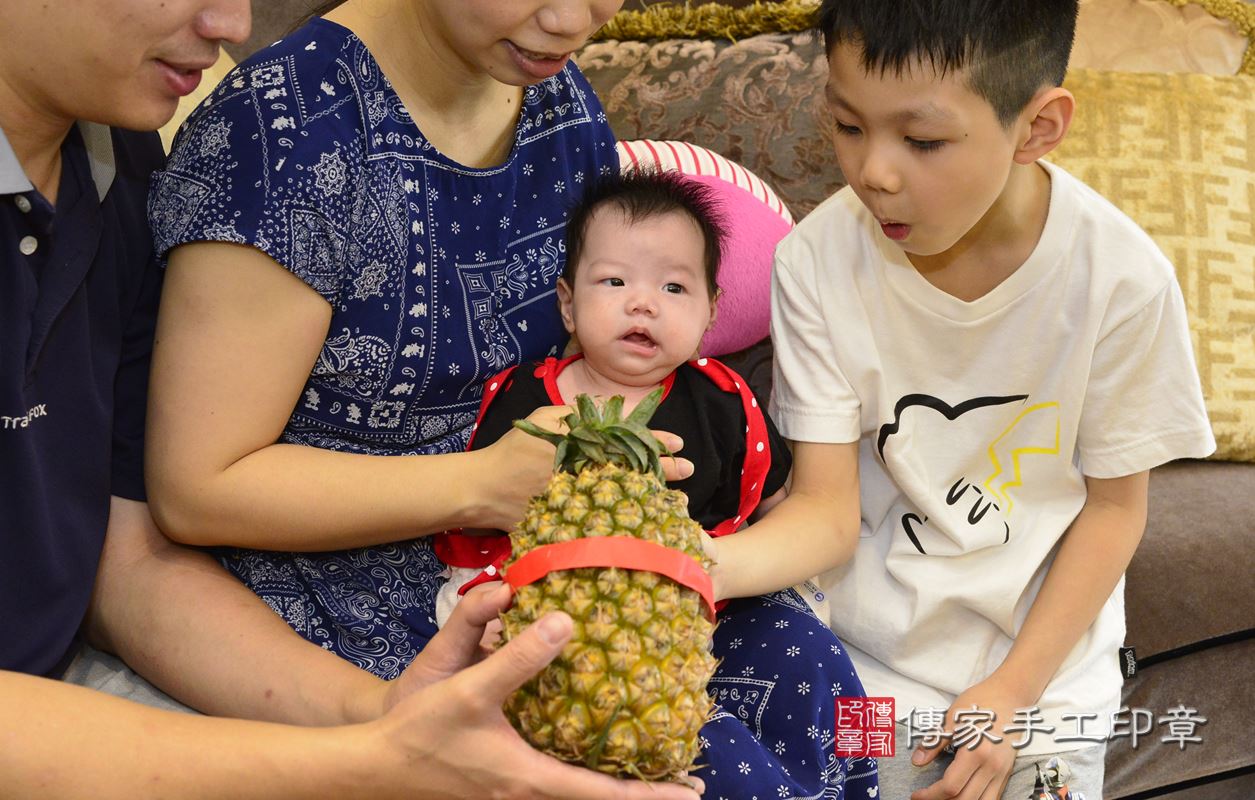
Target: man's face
<point>121,62</point>
<point>925,154</point>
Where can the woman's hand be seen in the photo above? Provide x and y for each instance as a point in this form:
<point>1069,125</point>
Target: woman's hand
<point>458,644</point>
<point>520,465</point>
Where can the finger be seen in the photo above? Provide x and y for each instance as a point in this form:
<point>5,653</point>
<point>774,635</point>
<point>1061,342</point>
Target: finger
<point>491,638</point>
<point>456,645</point>
<point>481,604</point>
<point>925,755</point>
<point>670,441</point>
<point>978,785</point>
<point>951,782</point>
<point>995,788</point>
<point>676,469</point>
<point>551,417</point>
<point>510,667</point>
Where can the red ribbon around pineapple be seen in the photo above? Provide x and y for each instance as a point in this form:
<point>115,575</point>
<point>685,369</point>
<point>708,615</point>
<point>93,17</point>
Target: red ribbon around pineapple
<point>614,551</point>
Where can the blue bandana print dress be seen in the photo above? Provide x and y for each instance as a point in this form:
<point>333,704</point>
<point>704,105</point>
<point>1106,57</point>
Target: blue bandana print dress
<point>439,276</point>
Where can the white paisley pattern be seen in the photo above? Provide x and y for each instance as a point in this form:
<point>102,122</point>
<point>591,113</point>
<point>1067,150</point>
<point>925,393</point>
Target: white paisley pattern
<point>438,276</point>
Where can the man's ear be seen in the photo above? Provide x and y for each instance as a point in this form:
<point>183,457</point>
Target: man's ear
<point>1045,121</point>
<point>565,305</point>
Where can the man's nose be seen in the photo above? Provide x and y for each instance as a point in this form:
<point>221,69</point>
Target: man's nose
<point>225,20</point>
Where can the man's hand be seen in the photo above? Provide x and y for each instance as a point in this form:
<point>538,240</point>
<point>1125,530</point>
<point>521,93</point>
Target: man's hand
<point>981,767</point>
<point>458,645</point>
<point>446,735</point>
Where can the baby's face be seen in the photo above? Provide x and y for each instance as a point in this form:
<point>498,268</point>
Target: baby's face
<point>640,303</point>
<point>925,154</point>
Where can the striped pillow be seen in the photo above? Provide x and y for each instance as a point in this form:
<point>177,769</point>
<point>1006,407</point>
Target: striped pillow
<point>693,159</point>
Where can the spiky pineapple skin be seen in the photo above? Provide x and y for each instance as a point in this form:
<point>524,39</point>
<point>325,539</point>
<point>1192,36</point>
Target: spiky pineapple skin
<point>627,695</point>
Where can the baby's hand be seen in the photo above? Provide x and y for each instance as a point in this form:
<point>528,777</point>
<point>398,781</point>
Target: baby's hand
<point>710,546</point>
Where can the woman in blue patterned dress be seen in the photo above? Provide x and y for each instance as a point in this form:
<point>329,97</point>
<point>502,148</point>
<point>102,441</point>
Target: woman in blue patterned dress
<point>362,223</point>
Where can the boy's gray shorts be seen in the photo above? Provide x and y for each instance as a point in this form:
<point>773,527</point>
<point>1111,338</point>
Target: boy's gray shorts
<point>898,778</point>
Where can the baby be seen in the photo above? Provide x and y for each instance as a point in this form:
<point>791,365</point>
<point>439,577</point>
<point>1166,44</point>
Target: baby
<point>637,295</point>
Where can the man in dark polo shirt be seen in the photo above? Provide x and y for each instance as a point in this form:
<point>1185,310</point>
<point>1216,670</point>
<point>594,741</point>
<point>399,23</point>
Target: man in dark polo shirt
<point>79,553</point>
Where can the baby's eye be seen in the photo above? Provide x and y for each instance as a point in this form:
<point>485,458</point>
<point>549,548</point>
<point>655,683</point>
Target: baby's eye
<point>674,288</point>
<point>847,130</point>
<point>611,281</point>
<point>925,145</point>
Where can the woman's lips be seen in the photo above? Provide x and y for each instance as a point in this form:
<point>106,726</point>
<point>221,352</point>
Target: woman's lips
<point>181,80</point>
<point>538,65</point>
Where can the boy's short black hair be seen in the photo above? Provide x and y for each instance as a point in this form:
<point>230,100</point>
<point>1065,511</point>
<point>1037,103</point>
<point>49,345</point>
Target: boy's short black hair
<point>642,193</point>
<point>1010,48</point>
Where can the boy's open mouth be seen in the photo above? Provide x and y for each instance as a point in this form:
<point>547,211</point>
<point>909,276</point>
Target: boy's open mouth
<point>895,230</point>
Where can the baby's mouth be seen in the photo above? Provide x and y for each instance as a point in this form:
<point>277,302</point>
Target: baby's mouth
<point>639,338</point>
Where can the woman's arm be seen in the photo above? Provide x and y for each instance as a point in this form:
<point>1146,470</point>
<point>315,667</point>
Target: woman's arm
<point>236,340</point>
<point>182,622</point>
<point>812,530</point>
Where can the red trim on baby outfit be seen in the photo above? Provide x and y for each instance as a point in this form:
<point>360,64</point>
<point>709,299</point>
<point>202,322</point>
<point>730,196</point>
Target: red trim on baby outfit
<point>757,448</point>
<point>549,370</point>
<point>491,552</point>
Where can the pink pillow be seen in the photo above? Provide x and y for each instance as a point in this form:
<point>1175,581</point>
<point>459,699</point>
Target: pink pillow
<point>756,220</point>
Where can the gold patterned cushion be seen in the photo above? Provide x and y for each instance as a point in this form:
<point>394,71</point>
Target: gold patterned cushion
<point>1176,152</point>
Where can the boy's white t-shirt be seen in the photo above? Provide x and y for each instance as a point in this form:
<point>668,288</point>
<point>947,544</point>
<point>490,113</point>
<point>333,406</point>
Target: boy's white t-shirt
<point>977,422</point>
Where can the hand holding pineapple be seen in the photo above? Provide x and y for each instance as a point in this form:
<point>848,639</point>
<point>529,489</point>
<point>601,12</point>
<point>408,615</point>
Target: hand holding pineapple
<point>446,736</point>
<point>529,463</point>
<point>627,696</point>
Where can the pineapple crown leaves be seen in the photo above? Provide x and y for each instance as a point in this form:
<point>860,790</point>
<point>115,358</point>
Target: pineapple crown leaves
<point>599,435</point>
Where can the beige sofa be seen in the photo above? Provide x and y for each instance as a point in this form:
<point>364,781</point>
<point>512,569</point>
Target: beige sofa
<point>1175,150</point>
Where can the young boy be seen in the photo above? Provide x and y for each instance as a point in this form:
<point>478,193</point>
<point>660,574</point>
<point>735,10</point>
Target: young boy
<point>637,294</point>
<point>1008,356</point>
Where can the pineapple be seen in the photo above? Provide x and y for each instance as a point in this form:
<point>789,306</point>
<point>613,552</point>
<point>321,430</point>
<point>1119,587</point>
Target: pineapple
<point>627,696</point>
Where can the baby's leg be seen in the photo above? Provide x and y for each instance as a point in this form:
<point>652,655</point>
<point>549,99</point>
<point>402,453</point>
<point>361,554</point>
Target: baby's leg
<point>448,596</point>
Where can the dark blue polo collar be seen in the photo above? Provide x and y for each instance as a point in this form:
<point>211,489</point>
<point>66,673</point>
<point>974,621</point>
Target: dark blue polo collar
<point>98,142</point>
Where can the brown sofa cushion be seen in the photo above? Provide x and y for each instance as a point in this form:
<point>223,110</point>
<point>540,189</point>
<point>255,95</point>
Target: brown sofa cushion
<point>757,101</point>
<point>1190,581</point>
<point>1215,682</point>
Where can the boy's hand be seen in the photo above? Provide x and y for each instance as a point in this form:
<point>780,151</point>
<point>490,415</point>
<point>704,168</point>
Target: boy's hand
<point>981,766</point>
